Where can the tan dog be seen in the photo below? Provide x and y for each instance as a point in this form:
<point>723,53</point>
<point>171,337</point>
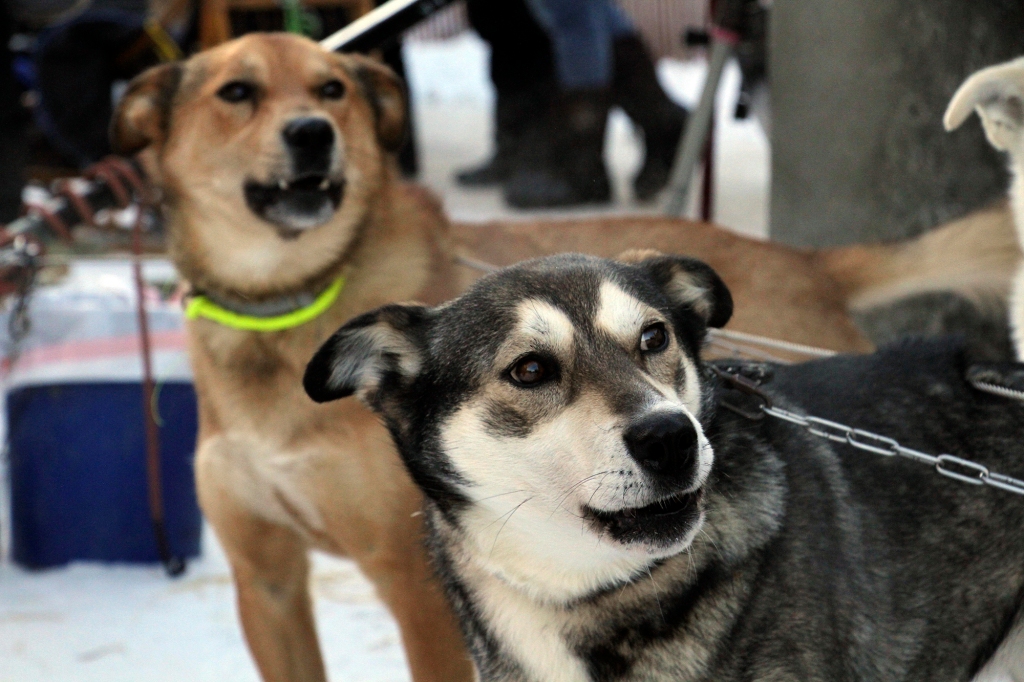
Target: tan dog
<point>273,159</point>
<point>276,473</point>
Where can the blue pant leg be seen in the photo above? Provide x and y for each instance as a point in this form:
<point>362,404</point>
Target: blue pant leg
<point>581,34</point>
<point>619,23</point>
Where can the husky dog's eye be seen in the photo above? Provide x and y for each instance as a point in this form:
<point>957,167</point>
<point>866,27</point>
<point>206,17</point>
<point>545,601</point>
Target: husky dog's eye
<point>237,91</point>
<point>530,371</point>
<point>334,89</point>
<point>654,338</point>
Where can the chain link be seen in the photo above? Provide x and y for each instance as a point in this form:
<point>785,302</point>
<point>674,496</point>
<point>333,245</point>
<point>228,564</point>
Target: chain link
<point>956,468</point>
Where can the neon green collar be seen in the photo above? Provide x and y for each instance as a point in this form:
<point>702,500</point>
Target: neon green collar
<point>201,306</point>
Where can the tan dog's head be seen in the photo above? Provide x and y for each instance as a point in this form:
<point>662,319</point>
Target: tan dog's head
<point>269,151</point>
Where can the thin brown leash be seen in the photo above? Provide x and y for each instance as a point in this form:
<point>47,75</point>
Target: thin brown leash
<point>118,173</point>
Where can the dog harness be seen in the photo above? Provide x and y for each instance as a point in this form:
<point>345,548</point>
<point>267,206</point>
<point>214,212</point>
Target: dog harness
<point>272,316</point>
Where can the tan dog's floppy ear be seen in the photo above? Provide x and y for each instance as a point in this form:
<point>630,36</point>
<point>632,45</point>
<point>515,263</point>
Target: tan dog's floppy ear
<point>997,94</point>
<point>687,282</point>
<point>386,94</point>
<point>143,114</point>
<point>376,350</point>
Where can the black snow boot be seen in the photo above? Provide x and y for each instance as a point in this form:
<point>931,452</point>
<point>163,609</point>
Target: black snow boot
<point>636,89</point>
<point>515,111</point>
<point>560,161</point>
<point>522,70</point>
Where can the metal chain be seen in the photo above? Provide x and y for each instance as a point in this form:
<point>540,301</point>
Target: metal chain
<point>956,468</point>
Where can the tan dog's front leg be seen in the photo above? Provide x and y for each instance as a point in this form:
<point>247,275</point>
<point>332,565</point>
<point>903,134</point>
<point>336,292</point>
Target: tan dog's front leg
<point>271,572</point>
<point>433,643</point>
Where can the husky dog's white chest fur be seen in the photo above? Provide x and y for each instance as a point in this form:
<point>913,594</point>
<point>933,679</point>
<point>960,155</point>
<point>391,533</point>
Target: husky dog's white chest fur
<point>530,632</point>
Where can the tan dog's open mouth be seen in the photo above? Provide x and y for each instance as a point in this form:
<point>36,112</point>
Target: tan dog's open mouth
<point>295,205</point>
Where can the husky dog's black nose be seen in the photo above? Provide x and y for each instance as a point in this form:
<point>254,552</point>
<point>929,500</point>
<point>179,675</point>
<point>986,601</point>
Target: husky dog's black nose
<point>664,444</point>
<point>311,141</point>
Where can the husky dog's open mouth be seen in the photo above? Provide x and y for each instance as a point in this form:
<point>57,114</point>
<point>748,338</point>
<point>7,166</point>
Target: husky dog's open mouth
<point>298,204</point>
<point>661,523</point>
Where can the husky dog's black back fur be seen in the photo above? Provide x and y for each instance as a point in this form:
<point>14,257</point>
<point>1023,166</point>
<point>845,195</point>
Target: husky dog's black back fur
<point>883,568</point>
<point>791,558</point>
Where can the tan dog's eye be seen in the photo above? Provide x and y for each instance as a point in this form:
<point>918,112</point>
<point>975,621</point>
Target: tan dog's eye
<point>332,90</point>
<point>654,338</point>
<point>237,91</point>
<point>531,370</point>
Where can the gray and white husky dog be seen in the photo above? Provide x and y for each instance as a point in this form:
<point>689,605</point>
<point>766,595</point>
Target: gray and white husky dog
<point>594,515</point>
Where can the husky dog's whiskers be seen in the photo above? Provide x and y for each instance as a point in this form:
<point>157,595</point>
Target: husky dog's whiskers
<point>654,591</point>
<point>514,510</point>
<point>576,485</point>
<point>491,497</point>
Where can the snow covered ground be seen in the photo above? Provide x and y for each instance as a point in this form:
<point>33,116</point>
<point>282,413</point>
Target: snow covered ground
<point>109,623</point>
<point>96,623</point>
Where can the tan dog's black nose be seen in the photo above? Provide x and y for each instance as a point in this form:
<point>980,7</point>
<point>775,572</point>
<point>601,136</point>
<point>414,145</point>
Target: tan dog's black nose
<point>311,143</point>
<point>309,134</point>
<point>664,445</point>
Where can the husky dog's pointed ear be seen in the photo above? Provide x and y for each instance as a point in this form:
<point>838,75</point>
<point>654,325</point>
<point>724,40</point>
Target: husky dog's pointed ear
<point>688,282</point>
<point>143,114</point>
<point>997,94</point>
<point>385,92</point>
<point>370,352</point>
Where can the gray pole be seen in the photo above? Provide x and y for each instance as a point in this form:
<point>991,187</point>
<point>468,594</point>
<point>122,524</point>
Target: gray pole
<point>692,145</point>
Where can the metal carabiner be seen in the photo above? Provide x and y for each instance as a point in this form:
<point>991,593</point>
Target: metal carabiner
<point>742,384</point>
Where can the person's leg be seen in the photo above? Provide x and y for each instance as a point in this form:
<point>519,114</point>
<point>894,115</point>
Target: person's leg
<point>581,33</point>
<point>595,45</point>
<point>636,89</point>
<point>522,71</point>
<point>619,23</point>
<point>560,159</point>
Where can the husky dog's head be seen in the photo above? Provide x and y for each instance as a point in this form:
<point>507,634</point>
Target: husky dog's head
<point>552,414</point>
